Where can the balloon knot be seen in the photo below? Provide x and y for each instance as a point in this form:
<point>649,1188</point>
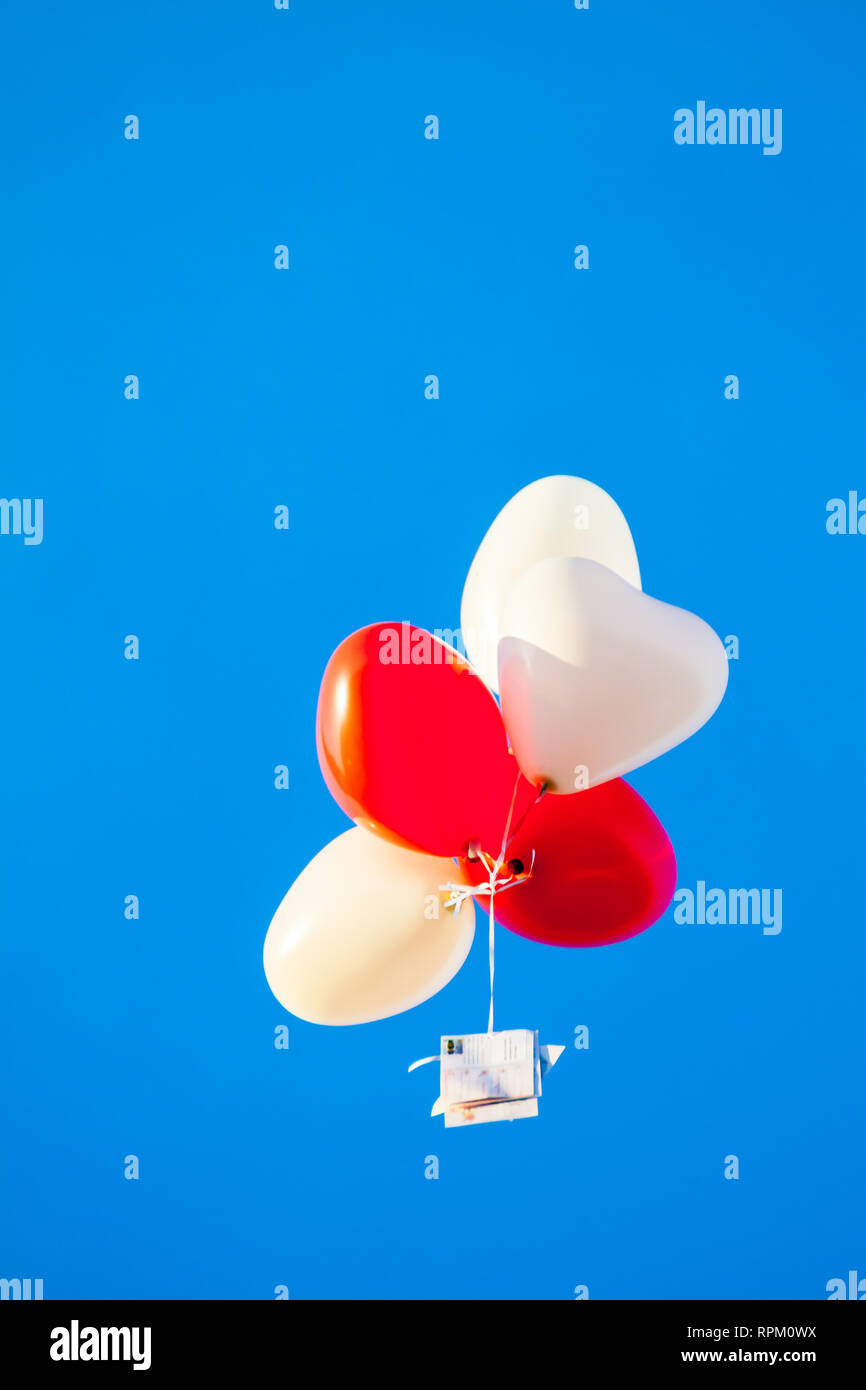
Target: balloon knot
<point>496,882</point>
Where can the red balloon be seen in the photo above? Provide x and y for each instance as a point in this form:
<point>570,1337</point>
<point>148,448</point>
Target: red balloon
<point>412,745</point>
<point>604,869</point>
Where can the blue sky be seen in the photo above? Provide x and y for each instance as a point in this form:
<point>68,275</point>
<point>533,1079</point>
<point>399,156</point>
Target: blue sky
<point>409,257</point>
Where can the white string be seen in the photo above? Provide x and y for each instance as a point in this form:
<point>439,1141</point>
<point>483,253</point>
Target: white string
<point>459,892</point>
<point>490,945</point>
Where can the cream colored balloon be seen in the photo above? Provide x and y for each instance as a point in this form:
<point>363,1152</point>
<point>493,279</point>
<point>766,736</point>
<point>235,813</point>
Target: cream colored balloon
<point>554,516</point>
<point>363,932</point>
<point>597,678</point>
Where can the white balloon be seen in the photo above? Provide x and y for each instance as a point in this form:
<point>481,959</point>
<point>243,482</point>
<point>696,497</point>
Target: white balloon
<point>363,932</point>
<point>597,678</point>
<point>554,516</point>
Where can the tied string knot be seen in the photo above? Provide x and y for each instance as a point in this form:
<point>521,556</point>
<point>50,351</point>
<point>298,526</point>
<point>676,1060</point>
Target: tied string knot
<point>459,892</point>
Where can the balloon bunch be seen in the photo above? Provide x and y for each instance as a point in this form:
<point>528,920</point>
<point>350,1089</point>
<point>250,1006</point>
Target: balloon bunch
<point>525,807</point>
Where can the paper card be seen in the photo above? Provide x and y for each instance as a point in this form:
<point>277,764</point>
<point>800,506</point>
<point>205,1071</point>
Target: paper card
<point>549,1054</point>
<point>488,1067</point>
<point>490,1076</point>
<point>491,1110</point>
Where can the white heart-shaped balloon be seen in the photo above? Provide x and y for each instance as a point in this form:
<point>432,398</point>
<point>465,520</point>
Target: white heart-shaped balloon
<point>553,516</point>
<point>597,678</point>
<point>364,933</point>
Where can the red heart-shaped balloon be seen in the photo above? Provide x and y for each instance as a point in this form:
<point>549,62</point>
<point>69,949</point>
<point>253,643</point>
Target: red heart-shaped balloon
<point>412,745</point>
<point>604,868</point>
